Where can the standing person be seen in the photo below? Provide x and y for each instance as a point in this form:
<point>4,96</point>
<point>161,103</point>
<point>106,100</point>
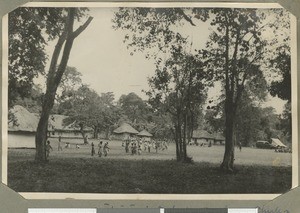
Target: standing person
<point>149,146</point>
<point>105,149</point>
<point>156,146</point>
<point>127,146</point>
<point>100,149</point>
<point>139,150</point>
<point>240,146</point>
<point>86,140</point>
<point>59,144</point>
<point>48,148</point>
<point>93,149</point>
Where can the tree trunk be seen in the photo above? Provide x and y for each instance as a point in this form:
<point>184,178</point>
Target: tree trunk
<point>82,133</point>
<point>184,154</point>
<point>96,131</point>
<point>53,80</point>
<point>228,160</point>
<point>42,129</point>
<point>107,131</point>
<point>178,157</point>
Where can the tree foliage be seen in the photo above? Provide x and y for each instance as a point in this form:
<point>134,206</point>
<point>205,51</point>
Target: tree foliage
<point>178,88</point>
<point>29,31</point>
<point>237,50</point>
<point>133,108</point>
<point>86,109</point>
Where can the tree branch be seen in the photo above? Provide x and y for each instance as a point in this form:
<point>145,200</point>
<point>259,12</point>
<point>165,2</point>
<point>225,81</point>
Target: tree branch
<point>188,19</point>
<point>55,57</point>
<point>81,28</point>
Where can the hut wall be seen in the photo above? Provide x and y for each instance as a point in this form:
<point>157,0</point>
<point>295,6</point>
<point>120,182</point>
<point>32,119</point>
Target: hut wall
<point>200,141</point>
<point>69,134</point>
<point>219,142</point>
<point>21,139</point>
<point>145,138</point>
<point>122,136</point>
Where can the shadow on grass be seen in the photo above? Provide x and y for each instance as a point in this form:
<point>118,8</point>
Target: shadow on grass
<point>95,175</point>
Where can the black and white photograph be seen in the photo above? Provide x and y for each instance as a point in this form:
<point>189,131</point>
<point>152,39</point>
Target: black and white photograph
<point>141,98</point>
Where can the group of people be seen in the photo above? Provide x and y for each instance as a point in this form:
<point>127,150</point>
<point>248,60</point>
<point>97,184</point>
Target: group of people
<point>103,149</point>
<point>135,146</point>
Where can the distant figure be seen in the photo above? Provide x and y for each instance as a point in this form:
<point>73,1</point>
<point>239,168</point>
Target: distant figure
<point>105,149</point>
<point>59,144</point>
<point>127,146</point>
<point>100,149</point>
<point>77,146</point>
<point>240,146</point>
<point>164,145</point>
<point>149,147</point>
<point>48,148</point>
<point>209,145</point>
<point>132,148</point>
<point>140,150</point>
<point>86,141</point>
<point>67,145</point>
<point>93,149</point>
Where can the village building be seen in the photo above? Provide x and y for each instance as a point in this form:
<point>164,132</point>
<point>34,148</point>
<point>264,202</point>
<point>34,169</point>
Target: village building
<point>124,132</point>
<point>56,128</point>
<point>22,128</point>
<point>219,138</point>
<point>145,135</point>
<point>202,137</point>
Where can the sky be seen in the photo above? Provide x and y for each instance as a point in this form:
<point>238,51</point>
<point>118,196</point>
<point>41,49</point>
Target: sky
<point>107,66</point>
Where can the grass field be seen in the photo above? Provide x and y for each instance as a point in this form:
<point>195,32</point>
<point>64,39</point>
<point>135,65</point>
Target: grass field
<point>75,170</point>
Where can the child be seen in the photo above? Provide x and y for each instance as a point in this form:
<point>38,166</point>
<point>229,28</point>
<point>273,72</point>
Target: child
<point>139,150</point>
<point>59,144</point>
<point>93,149</point>
<point>105,149</point>
<point>48,147</point>
<point>127,146</point>
<point>100,149</point>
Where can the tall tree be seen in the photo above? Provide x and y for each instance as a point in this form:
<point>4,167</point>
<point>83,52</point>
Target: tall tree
<point>281,87</point>
<point>236,50</point>
<point>86,109</point>
<point>133,107</point>
<point>31,24</point>
<point>178,87</point>
<point>55,73</point>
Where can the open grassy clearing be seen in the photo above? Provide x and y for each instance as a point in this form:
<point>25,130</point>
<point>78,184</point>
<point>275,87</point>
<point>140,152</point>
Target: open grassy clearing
<point>214,154</point>
<point>75,170</point>
<point>94,175</point>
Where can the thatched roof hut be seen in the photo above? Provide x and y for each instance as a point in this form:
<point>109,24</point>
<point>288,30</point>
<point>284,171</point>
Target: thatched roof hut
<point>125,128</point>
<point>219,137</point>
<point>23,120</point>
<point>202,134</point>
<point>144,133</point>
<point>26,121</point>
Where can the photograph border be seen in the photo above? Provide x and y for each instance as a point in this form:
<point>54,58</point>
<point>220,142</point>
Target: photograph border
<point>102,196</point>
